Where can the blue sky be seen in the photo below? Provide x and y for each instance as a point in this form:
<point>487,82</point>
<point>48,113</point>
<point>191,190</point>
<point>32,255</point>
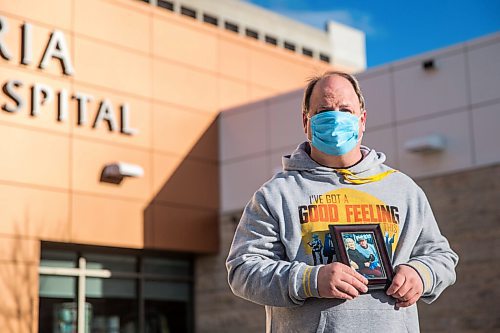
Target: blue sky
<point>398,29</point>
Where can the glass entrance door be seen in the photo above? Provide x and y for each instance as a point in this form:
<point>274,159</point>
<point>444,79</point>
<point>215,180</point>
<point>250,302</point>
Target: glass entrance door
<point>90,292</point>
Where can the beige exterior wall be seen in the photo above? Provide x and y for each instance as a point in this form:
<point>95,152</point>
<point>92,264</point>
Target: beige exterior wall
<point>457,100</point>
<point>176,75</point>
<point>252,139</point>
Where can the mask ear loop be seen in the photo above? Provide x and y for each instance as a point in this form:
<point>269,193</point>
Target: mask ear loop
<point>361,136</point>
<point>309,123</point>
<point>362,132</point>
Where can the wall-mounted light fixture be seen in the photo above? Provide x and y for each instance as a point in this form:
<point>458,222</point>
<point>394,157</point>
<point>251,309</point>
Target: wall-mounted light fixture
<point>429,65</point>
<point>115,172</point>
<point>426,144</point>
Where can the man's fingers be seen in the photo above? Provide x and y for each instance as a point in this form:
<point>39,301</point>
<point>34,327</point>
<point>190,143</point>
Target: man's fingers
<point>357,284</point>
<point>342,295</point>
<point>355,274</point>
<point>347,289</point>
<point>409,302</point>
<point>340,281</point>
<point>405,289</point>
<point>398,282</point>
<point>409,295</point>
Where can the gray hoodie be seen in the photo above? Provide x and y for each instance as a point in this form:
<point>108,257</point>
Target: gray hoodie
<point>282,240</point>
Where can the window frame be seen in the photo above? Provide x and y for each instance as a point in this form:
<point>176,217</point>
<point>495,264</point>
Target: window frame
<point>81,272</point>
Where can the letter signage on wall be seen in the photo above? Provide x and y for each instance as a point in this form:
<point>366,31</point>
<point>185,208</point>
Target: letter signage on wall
<point>55,49</point>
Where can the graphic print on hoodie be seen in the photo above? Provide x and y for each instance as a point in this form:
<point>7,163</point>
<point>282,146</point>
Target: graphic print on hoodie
<point>347,201</point>
<point>343,206</point>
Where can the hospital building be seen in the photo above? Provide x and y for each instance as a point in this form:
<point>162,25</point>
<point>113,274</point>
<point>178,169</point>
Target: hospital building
<point>132,134</point>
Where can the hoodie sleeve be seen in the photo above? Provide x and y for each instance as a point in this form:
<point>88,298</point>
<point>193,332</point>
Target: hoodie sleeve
<point>432,256</point>
<point>258,269</point>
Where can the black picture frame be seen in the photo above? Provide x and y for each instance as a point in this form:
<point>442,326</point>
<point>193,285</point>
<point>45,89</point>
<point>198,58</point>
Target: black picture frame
<point>377,268</point>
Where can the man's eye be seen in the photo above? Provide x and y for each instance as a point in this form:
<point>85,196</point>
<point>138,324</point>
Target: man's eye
<point>346,110</point>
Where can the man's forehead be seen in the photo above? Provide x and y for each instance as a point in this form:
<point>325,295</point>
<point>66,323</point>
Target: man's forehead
<point>333,83</point>
<point>338,96</point>
<point>333,89</point>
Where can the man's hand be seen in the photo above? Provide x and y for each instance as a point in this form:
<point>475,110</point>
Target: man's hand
<point>407,286</point>
<point>337,280</point>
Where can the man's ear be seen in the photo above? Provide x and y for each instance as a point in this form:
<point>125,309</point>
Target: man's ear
<point>304,122</point>
<point>363,120</point>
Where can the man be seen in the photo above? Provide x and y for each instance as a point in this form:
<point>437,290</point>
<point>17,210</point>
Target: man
<point>371,266</point>
<point>332,179</point>
<point>368,250</point>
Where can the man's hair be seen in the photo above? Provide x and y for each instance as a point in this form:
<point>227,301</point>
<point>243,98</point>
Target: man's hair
<point>312,83</point>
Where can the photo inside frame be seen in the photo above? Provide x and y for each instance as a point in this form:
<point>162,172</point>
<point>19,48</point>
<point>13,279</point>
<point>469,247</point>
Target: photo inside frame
<point>363,253</point>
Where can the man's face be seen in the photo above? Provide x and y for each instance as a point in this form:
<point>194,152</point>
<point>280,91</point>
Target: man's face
<point>334,93</point>
<point>363,243</point>
<point>350,244</point>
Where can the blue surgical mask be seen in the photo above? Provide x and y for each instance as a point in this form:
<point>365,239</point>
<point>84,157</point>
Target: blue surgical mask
<point>334,132</point>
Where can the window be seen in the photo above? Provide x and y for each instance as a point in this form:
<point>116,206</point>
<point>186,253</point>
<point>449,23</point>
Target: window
<point>188,12</point>
<point>271,40</point>
<point>289,46</point>
<point>307,52</point>
<point>324,57</point>
<point>251,33</point>
<point>210,19</point>
<point>231,26</point>
<point>168,5</point>
<point>110,290</point>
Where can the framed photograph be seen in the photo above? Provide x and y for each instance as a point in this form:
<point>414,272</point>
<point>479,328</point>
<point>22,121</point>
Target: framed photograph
<point>362,247</point>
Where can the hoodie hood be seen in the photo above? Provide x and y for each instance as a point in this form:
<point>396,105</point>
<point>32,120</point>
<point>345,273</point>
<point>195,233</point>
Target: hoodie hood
<point>300,160</point>
<point>371,166</point>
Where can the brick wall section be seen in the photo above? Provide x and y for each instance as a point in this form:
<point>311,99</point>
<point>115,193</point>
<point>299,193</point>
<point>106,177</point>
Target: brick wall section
<point>467,207</point>
<point>217,310</point>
